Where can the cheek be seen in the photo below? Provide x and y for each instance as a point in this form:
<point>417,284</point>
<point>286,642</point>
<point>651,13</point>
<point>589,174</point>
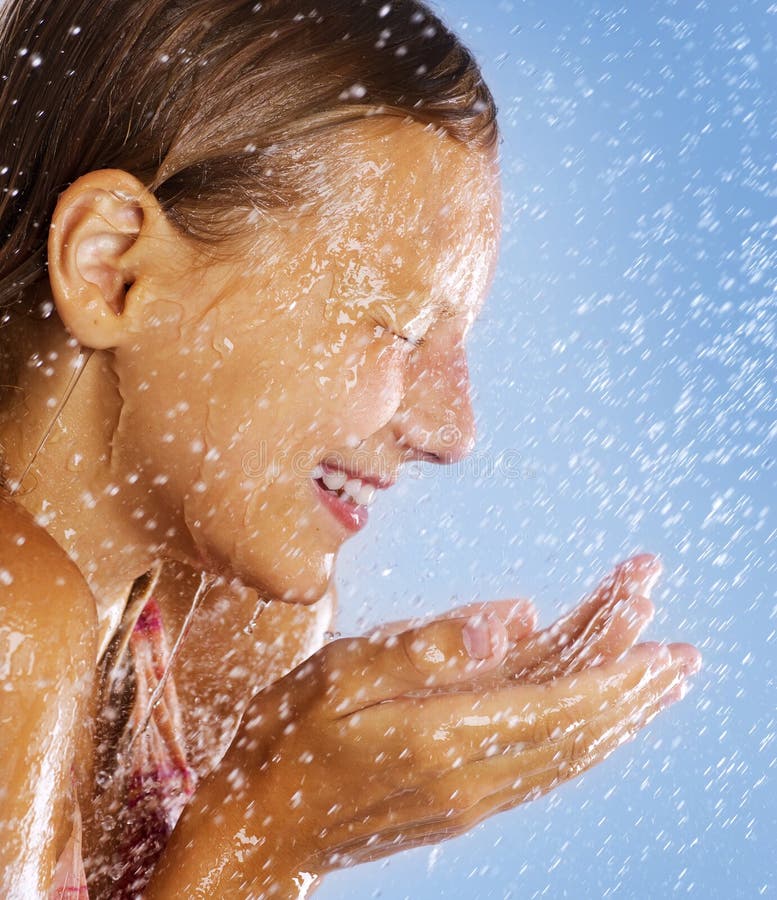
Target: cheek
<point>160,417</point>
<point>370,385</point>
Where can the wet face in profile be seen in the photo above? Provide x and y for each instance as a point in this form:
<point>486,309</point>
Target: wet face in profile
<point>290,384</point>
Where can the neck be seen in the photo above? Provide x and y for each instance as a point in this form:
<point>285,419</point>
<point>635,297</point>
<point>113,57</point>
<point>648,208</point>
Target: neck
<point>91,501</point>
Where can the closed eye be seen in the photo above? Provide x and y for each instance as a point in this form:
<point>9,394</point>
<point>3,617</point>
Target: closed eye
<point>415,342</point>
<point>382,327</point>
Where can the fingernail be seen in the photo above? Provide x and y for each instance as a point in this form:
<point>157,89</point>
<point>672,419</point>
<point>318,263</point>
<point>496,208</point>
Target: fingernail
<point>522,615</point>
<point>651,572</point>
<point>691,660</point>
<point>677,693</point>
<point>523,610</point>
<point>672,696</point>
<point>477,636</point>
<point>650,581</point>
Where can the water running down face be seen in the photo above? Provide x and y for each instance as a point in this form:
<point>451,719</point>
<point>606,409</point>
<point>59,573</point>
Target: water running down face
<point>330,353</point>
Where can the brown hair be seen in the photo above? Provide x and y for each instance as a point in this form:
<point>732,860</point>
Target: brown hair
<point>207,102</point>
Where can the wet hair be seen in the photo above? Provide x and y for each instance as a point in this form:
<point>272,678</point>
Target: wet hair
<point>211,104</point>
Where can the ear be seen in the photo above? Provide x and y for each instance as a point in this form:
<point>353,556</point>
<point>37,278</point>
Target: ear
<point>95,254</point>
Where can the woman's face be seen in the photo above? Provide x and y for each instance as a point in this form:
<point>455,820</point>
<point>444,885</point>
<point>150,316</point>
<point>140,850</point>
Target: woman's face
<point>252,379</point>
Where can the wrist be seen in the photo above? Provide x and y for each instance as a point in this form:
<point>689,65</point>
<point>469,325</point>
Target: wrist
<point>232,841</point>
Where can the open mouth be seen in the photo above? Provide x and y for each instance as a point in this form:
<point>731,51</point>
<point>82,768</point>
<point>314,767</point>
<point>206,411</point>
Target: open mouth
<point>349,490</point>
<point>340,494</point>
<point>346,498</point>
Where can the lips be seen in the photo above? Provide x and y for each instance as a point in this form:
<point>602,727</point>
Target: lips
<point>351,515</point>
<point>346,494</point>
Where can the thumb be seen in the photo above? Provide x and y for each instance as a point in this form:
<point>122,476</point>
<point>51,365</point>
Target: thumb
<point>447,650</point>
<point>443,652</point>
<point>518,615</point>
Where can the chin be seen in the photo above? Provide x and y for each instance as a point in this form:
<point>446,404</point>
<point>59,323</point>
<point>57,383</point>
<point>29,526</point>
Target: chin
<point>306,582</point>
<point>295,568</point>
<point>302,581</point>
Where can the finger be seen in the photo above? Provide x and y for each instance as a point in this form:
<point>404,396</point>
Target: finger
<point>534,784</point>
<point>462,800</point>
<point>519,616</point>
<point>618,627</point>
<point>451,726</point>
<point>368,671</point>
<point>451,802</point>
<point>520,772</point>
<point>634,576</point>
<point>621,630</point>
<point>614,628</point>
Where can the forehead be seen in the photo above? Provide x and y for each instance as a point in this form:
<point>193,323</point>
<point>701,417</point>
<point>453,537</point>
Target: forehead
<point>407,210</point>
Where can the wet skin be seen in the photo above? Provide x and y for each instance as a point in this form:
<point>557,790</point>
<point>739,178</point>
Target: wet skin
<point>303,345</point>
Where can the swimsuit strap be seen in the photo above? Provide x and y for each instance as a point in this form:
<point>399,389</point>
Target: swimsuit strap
<point>143,779</point>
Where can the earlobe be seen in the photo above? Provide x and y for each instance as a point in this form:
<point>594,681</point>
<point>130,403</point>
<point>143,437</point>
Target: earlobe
<point>95,226</point>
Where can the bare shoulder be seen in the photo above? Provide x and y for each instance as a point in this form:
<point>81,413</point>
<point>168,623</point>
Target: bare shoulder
<point>47,659</point>
<point>42,592</point>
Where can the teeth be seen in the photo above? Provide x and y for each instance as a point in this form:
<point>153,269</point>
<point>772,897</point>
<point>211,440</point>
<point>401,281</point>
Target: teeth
<point>352,489</point>
<point>367,494</point>
<point>335,480</point>
<point>361,494</point>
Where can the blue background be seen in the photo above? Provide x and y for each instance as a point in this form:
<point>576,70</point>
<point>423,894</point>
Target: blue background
<point>624,370</point>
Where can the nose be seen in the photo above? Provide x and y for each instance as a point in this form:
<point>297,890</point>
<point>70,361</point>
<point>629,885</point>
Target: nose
<point>435,420</point>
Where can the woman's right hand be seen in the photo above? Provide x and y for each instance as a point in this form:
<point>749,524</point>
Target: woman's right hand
<point>379,744</point>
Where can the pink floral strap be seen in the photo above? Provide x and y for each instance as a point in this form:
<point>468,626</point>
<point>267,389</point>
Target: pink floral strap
<point>150,780</point>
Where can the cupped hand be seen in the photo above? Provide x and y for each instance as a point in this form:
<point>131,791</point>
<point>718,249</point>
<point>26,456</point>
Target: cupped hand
<point>409,736</point>
<point>602,627</point>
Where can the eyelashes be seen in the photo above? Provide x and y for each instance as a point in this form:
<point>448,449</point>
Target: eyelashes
<point>413,342</point>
